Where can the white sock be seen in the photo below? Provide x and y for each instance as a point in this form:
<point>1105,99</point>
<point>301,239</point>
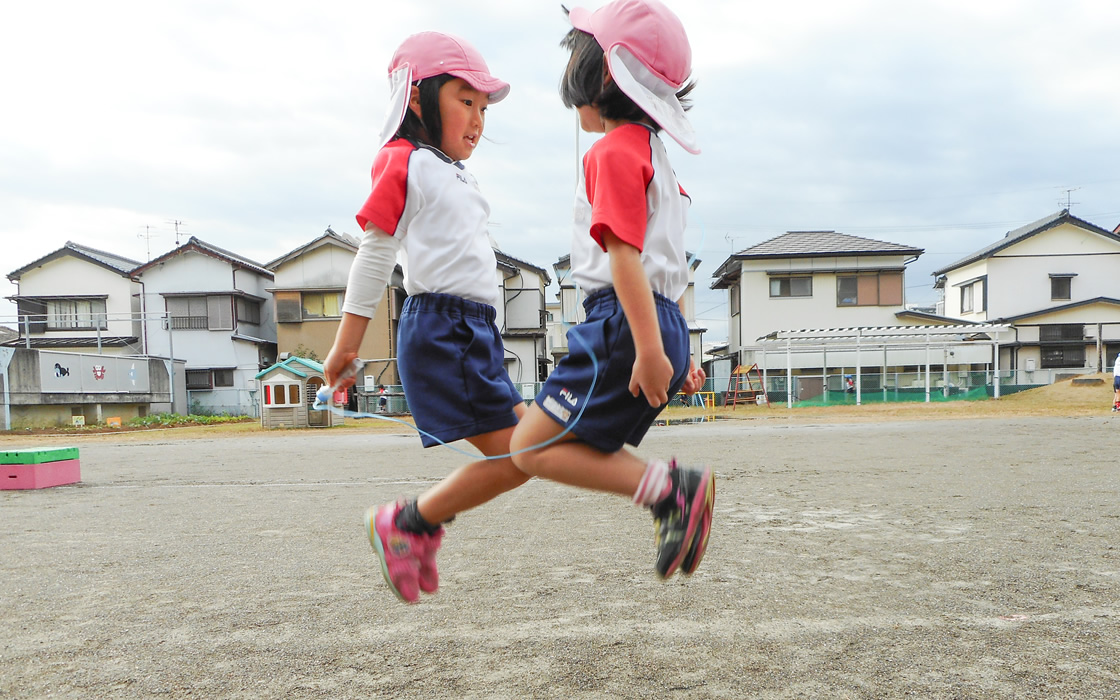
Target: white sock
<point>654,482</point>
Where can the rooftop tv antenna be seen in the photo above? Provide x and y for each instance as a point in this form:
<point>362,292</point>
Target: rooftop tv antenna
<point>1069,191</point>
<point>147,235</point>
<point>176,223</point>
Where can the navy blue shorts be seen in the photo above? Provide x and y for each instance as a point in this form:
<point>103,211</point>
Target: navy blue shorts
<point>1116,382</point>
<point>611,416</point>
<point>450,357</point>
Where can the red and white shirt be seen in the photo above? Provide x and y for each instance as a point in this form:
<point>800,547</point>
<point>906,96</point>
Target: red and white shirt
<point>628,186</point>
<point>433,206</point>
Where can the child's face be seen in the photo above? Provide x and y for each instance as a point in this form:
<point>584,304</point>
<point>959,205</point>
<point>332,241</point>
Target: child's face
<point>462,109</point>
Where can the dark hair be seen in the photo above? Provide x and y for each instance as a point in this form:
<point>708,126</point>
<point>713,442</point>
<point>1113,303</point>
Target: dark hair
<point>582,82</point>
<point>429,129</point>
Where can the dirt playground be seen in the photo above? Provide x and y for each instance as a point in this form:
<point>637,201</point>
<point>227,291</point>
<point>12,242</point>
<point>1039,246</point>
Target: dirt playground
<point>967,556</point>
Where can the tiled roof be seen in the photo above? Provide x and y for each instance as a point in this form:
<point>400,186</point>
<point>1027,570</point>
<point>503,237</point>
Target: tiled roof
<point>1024,232</point>
<point>199,245</point>
<point>823,243</point>
<point>117,263</point>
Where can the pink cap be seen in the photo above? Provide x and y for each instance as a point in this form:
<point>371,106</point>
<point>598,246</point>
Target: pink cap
<point>428,54</point>
<point>649,57</point>
<point>649,29</point>
<point>434,53</point>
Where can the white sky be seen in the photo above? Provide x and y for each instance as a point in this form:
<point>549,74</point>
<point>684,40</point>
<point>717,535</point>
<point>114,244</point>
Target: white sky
<point>935,124</point>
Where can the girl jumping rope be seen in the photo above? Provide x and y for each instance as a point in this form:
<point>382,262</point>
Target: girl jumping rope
<point>629,64</point>
<point>424,202</point>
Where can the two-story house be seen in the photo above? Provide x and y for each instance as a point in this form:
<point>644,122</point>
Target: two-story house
<point>1057,281</point>
<point>217,318</point>
<point>811,279</point>
<point>308,291</point>
<point>840,299</point>
<point>79,299</point>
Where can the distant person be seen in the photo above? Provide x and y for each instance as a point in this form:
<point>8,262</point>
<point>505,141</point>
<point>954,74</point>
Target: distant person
<point>382,399</point>
<point>450,354</point>
<point>1116,385</point>
<point>629,67</point>
<point>849,384</point>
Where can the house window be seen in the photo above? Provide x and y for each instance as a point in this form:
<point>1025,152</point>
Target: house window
<point>281,395</point>
<point>202,379</point>
<point>735,301</point>
<point>869,289</point>
<point>1061,287</point>
<point>1064,356</point>
<point>199,379</point>
<point>781,287</point>
<point>322,305</point>
<point>974,295</point>
<point>248,311</point>
<point>76,314</point>
<point>214,312</point>
<point>1062,345</point>
<point>1061,332</point>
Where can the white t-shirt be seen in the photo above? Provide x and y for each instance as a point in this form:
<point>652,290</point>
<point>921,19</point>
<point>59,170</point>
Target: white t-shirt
<point>1116,369</point>
<point>433,206</point>
<point>628,186</point>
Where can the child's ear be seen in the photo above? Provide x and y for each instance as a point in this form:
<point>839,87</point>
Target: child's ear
<point>414,101</point>
<point>607,79</point>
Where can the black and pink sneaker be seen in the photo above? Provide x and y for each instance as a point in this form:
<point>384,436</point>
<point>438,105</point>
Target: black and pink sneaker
<point>677,518</point>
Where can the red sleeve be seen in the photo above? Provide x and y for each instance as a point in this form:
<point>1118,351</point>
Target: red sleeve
<point>385,205</point>
<point>617,173</point>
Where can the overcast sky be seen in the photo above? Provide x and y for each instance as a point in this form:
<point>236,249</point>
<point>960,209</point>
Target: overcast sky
<point>935,124</point>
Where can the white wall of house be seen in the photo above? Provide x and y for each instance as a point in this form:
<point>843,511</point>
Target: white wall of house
<point>521,320</point>
<point>1056,267</point>
<point>71,276</point>
<point>211,348</point>
<point>324,267</point>
<point>1019,276</point>
<point>761,313</point>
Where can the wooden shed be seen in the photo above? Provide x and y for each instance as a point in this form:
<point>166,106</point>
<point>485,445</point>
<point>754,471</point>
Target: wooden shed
<point>287,394</point>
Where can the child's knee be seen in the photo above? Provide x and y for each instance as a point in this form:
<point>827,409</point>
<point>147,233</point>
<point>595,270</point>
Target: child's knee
<point>523,460</point>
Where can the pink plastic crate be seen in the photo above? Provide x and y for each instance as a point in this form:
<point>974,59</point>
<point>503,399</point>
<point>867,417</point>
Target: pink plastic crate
<point>39,476</point>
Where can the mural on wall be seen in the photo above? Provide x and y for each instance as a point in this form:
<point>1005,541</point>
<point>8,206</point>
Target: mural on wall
<point>66,372</point>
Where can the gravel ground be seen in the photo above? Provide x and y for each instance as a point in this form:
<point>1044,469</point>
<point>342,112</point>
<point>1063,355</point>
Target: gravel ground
<point>934,559</point>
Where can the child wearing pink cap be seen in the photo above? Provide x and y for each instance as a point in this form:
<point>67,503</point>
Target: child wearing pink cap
<point>426,204</point>
<point>629,67</point>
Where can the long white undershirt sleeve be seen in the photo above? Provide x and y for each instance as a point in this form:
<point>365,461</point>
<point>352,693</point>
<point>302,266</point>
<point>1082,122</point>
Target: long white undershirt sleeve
<point>370,271</point>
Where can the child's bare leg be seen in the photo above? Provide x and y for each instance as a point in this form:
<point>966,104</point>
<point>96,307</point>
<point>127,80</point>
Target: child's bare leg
<point>572,463</point>
<point>476,483</point>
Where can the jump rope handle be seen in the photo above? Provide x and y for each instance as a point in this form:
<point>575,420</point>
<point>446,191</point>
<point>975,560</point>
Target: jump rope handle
<point>324,394</point>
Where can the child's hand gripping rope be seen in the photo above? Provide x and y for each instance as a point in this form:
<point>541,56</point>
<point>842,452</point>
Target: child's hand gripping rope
<point>323,396</point>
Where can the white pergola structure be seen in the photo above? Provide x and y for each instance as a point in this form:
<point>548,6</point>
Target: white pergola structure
<point>882,339</point>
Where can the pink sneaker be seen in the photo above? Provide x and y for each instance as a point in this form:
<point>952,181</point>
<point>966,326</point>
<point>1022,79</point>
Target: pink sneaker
<point>429,574</point>
<point>398,551</point>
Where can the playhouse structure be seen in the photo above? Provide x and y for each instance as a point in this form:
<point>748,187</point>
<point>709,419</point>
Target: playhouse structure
<point>287,395</point>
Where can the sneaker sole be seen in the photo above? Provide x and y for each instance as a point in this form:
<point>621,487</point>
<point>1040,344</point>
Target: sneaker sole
<point>700,545</point>
<point>695,515</point>
<point>375,540</point>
